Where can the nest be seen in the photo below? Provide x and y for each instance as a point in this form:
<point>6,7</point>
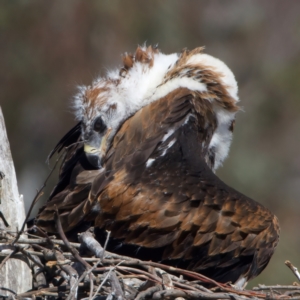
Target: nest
<point>61,272</point>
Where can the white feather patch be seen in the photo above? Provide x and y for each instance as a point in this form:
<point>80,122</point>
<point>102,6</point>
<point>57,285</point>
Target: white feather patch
<point>222,136</point>
<point>149,162</point>
<point>218,66</point>
<point>144,84</point>
<point>166,148</point>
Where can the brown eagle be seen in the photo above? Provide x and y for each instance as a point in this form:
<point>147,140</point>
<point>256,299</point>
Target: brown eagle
<point>140,163</point>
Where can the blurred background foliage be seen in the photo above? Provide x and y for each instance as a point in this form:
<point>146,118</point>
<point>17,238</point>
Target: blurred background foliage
<point>49,47</point>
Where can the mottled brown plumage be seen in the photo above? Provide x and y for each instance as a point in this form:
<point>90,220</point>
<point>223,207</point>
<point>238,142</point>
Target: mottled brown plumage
<point>157,192</point>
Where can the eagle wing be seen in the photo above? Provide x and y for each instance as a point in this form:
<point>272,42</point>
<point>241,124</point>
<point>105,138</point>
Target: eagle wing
<point>73,187</point>
<point>159,193</point>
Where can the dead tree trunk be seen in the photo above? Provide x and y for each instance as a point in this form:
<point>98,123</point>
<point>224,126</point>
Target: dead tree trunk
<point>15,275</point>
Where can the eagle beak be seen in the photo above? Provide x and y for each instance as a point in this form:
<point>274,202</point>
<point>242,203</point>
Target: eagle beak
<point>95,149</point>
<point>92,155</point>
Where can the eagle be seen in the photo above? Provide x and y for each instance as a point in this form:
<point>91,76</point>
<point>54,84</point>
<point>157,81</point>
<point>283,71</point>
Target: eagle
<point>141,164</point>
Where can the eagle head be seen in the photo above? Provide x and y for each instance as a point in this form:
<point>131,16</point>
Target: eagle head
<point>146,77</point>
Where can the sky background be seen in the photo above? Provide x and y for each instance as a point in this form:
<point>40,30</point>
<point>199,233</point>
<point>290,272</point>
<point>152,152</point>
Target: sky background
<point>49,47</point>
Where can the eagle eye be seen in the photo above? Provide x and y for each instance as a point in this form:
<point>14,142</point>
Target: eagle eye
<point>99,125</point>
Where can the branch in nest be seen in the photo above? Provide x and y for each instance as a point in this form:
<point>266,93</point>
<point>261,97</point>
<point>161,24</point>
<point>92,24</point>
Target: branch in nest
<point>67,243</point>
<point>87,239</point>
<point>293,268</point>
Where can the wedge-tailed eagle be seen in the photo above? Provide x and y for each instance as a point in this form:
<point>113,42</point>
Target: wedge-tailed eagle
<point>140,163</point>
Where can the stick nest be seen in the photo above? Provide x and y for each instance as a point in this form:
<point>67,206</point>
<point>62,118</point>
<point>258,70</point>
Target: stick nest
<point>61,271</point>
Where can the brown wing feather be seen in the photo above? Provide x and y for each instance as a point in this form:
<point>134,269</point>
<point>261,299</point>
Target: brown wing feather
<point>177,204</point>
<point>72,189</point>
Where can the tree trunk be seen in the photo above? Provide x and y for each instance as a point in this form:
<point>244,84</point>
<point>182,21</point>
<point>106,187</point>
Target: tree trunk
<point>15,275</point>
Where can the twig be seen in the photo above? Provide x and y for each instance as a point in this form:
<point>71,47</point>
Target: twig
<point>166,279</point>
<point>42,241</point>
<point>150,276</point>
<point>7,247</point>
<point>42,232</point>
<point>87,239</point>
<point>262,287</point>
<point>148,293</point>
<point>7,290</point>
<point>8,256</point>
<point>33,258</point>
<point>91,289</point>
<point>39,275</point>
<point>67,243</point>
<point>73,275</point>
<point>19,255</point>
<point>188,287</point>
<point>106,241</point>
<point>45,291</point>
<point>64,276</point>
<point>116,287</point>
<point>192,295</point>
<point>87,272</point>
<point>104,280</point>
<point>293,269</point>
<point>102,283</point>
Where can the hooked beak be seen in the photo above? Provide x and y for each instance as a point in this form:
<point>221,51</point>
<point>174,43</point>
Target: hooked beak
<point>95,149</point>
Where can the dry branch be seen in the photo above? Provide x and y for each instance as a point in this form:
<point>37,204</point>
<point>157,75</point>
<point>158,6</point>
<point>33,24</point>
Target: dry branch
<point>293,269</point>
<point>91,244</point>
<point>67,243</point>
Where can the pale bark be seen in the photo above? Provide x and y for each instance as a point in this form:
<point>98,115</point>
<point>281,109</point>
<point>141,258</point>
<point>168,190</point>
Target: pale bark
<point>15,274</point>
